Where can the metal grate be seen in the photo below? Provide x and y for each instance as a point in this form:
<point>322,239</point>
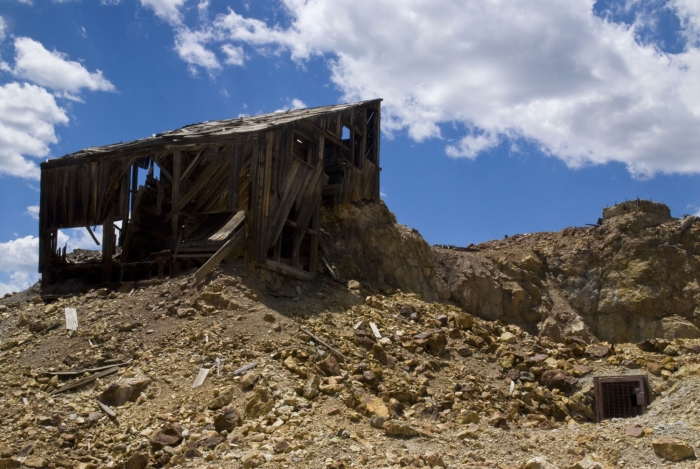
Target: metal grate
<point>621,396</point>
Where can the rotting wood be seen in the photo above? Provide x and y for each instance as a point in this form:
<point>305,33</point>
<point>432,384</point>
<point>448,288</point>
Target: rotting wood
<point>94,238</point>
<point>229,248</point>
<point>686,223</point>
<point>316,339</point>
<point>375,330</point>
<point>86,380</point>
<point>288,270</point>
<point>86,370</point>
<point>243,369</point>
<point>209,169</point>
<point>107,409</point>
<point>201,376</point>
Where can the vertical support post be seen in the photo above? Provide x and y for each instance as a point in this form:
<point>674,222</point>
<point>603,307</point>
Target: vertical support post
<point>235,175</point>
<point>174,199</point>
<point>107,245</point>
<point>313,256</point>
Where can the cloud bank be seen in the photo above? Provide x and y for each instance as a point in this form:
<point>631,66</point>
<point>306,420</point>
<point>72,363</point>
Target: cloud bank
<point>583,88</point>
<point>29,112</point>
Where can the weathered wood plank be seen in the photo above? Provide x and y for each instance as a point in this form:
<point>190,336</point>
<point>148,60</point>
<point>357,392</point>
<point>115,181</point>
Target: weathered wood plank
<point>229,248</point>
<point>287,270</point>
<point>198,185</point>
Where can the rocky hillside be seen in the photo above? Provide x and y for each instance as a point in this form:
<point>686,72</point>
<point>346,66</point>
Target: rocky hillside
<point>633,277</point>
<point>248,369</point>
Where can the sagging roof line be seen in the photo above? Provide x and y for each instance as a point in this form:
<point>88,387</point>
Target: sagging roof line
<point>201,133</point>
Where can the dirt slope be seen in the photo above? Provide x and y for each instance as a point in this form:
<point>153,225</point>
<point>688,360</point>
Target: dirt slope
<point>440,388</point>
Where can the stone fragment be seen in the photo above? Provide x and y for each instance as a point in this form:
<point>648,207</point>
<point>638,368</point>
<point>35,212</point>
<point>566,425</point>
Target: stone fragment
<point>122,391</point>
<point>227,419</point>
<point>292,366</point>
<point>598,350</point>
<point>437,343</point>
<point>311,387</point>
<point>8,463</point>
<point>507,338</point>
<point>379,354</point>
<point>137,461</point>
<point>581,370</point>
<point>373,405</point>
<point>539,462</point>
<point>169,435</point>
<point>433,459</point>
<point>398,428</point>
<point>249,379</point>
<point>654,368</point>
<point>330,366</point>
<point>634,430</point>
<point>252,459</point>
<point>672,449</point>
<point>281,446</point>
<point>35,462</point>
<point>586,463</point>
<point>558,379</point>
<point>269,317</point>
<point>222,399</point>
<point>6,450</point>
<point>376,421</point>
<point>259,403</point>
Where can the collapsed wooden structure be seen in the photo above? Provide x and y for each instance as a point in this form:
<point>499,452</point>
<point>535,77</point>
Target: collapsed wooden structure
<point>251,186</point>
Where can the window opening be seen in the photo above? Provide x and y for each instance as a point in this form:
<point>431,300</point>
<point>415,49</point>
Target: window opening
<point>302,149</point>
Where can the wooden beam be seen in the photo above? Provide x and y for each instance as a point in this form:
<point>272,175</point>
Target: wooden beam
<point>175,197</point>
<point>192,165</point>
<point>287,270</point>
<point>107,246</point>
<point>93,235</point>
<point>232,247</point>
<point>236,155</point>
<point>198,185</point>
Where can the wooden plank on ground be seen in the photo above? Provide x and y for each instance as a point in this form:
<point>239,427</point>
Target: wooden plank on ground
<point>201,376</point>
<point>71,319</point>
<point>107,409</point>
<point>243,369</point>
<point>290,271</point>
<point>375,330</point>
<point>86,380</point>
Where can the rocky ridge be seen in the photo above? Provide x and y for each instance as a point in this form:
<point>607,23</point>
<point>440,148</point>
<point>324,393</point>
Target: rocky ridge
<point>632,277</point>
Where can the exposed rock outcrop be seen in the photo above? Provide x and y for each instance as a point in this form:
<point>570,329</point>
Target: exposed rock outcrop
<point>367,244</point>
<point>633,277</point>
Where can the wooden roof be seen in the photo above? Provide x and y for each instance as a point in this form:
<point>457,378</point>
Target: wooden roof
<point>202,133</point>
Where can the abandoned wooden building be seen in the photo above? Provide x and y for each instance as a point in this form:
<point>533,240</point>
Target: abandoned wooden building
<point>251,187</point>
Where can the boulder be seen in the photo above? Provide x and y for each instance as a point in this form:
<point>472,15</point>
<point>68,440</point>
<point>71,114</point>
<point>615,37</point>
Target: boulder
<point>398,428</point>
<point>169,435</point>
<point>672,448</point>
<point>122,391</point>
<point>558,379</point>
<point>228,419</point>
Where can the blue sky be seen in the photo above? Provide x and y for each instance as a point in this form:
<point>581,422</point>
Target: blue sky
<point>499,116</point>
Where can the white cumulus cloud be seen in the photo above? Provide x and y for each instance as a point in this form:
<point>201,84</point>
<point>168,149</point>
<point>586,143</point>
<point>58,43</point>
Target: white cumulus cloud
<point>52,69</point>
<point>583,88</point>
<point>190,47</point>
<point>33,211</point>
<point>168,10</point>
<point>28,115</point>
<point>19,258</point>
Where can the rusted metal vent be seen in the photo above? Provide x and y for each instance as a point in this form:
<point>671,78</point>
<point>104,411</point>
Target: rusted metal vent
<point>621,396</point>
